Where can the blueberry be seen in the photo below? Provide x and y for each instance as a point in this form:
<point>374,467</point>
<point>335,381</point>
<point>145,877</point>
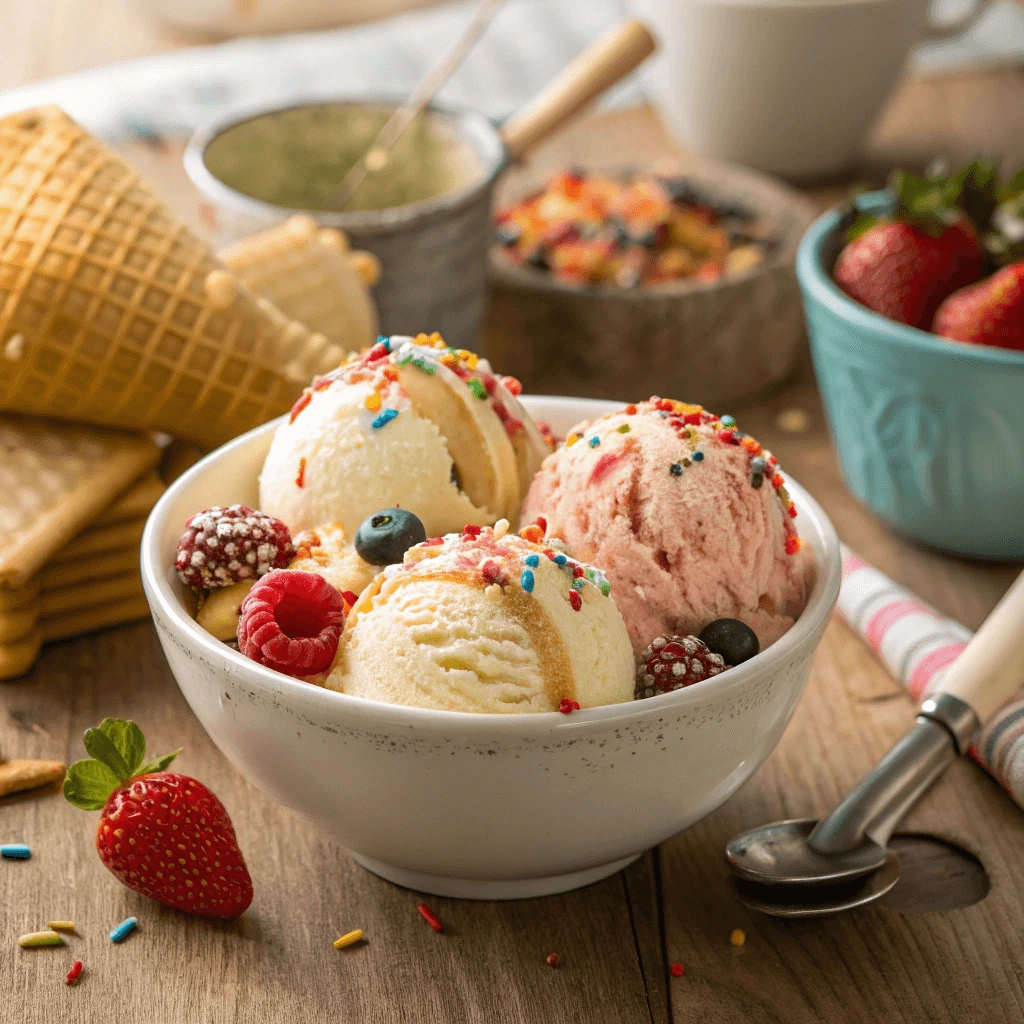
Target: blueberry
<point>735,641</point>
<point>384,537</point>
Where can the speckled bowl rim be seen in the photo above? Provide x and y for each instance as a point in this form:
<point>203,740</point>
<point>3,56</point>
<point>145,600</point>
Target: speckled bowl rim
<point>474,127</point>
<point>167,607</point>
<point>814,274</point>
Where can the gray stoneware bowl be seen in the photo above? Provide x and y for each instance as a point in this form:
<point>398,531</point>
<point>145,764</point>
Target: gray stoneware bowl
<point>474,805</point>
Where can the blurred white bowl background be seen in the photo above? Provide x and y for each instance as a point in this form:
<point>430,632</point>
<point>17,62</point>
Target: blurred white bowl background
<point>479,806</point>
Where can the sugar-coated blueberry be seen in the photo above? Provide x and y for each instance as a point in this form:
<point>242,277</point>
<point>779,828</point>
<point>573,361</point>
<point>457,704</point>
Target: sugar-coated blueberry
<point>384,537</point>
<point>735,641</point>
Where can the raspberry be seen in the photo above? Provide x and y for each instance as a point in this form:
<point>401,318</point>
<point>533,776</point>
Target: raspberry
<point>223,546</point>
<point>672,662</point>
<point>291,621</point>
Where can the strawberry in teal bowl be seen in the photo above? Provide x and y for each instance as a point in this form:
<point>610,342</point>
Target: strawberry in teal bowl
<point>914,302</point>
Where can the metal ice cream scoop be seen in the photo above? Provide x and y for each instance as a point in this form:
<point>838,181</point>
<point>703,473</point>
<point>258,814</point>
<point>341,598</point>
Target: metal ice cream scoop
<point>807,868</point>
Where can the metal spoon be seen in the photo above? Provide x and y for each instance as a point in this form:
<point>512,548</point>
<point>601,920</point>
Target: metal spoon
<point>804,868</point>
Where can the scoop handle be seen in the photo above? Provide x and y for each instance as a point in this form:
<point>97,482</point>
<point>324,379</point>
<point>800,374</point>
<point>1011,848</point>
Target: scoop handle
<point>991,668</point>
<point>596,69</point>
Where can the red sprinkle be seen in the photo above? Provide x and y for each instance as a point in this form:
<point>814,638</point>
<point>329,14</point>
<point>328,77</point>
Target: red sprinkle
<point>471,531</point>
<point>428,915</point>
<point>792,544</point>
<point>565,705</point>
<point>431,542</point>
<point>512,385</point>
<point>577,602</point>
<point>792,511</point>
<point>75,973</point>
<point>603,466</point>
<point>552,959</point>
<point>379,351</point>
<point>542,523</point>
<point>728,436</point>
<point>631,409</point>
<point>490,570</point>
<point>692,419</point>
<point>677,970</point>
<point>549,553</point>
<point>778,480</point>
<point>300,477</point>
<point>321,383</point>
<point>303,400</point>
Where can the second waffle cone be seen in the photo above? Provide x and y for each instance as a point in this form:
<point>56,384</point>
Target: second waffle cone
<point>113,312</point>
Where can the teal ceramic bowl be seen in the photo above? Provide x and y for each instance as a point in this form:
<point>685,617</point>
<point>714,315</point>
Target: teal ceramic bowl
<point>930,433</point>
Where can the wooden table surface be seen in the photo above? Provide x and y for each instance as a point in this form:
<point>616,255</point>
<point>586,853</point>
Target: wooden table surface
<point>615,939</point>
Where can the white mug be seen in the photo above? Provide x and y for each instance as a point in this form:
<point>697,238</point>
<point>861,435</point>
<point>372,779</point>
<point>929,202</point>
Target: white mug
<point>787,86</point>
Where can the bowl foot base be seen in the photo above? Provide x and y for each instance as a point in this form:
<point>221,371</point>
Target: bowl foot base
<point>490,889</point>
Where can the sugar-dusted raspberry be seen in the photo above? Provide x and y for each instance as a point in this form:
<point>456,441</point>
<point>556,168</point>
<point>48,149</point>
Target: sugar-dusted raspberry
<point>222,546</point>
<point>672,662</point>
<point>291,621</point>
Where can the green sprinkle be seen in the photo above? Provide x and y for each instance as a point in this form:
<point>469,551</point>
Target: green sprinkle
<point>605,587</point>
<point>477,388</point>
<point>421,364</point>
<point>623,428</point>
<point>33,940</point>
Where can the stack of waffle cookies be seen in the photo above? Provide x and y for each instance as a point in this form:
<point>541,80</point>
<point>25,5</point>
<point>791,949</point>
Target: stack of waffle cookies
<point>117,322</point>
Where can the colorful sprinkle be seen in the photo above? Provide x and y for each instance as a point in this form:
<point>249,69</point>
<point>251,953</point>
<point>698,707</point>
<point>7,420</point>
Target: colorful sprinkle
<point>534,534</point>
<point>75,973</point>
<point>349,597</point>
<point>61,926</point>
<point>527,580</point>
<point>500,528</point>
<point>594,441</point>
<point>604,586</point>
<point>676,970</point>
<point>124,929</point>
<point>303,400</point>
<point>493,592</point>
<point>738,937</point>
<point>623,428</point>
<point>35,940</point>
<point>727,421</point>
<point>575,600</point>
<point>512,385</point>
<point>675,469</point>
<point>567,706</point>
<point>384,418</point>
<point>758,468</point>
<point>552,959</point>
<point>428,915</point>
<point>571,440</point>
<point>560,559</point>
<point>15,851</point>
<point>349,938</point>
<point>300,477</point>
<point>532,560</point>
<point>793,544</point>
<point>697,456</point>
<point>578,584</point>
<point>372,401</point>
<point>477,388</point>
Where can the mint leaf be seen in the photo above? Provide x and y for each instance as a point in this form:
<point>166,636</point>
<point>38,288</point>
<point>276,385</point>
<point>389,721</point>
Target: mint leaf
<point>158,764</point>
<point>128,740</point>
<point>100,745</point>
<point>89,783</point>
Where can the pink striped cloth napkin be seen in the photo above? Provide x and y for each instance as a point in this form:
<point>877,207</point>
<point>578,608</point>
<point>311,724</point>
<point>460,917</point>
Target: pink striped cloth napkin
<point>917,644</point>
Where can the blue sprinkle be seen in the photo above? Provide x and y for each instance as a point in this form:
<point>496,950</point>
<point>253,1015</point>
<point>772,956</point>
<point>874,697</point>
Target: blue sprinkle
<point>594,441</point>
<point>15,851</point>
<point>124,929</point>
<point>384,418</point>
<point>527,580</point>
<point>728,421</point>
<point>532,561</point>
<point>384,340</point>
<point>697,456</point>
<point>579,583</point>
<point>560,559</point>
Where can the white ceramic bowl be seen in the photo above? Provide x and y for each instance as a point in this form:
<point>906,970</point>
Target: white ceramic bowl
<point>479,806</point>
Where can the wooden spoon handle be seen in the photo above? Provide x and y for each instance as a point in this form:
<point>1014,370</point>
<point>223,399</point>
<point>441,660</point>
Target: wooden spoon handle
<point>598,67</point>
<point>991,669</point>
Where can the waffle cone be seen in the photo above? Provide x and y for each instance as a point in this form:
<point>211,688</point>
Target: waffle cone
<point>112,312</point>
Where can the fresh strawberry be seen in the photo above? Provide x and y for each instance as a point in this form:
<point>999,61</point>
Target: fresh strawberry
<point>162,834</point>
<point>990,312</point>
<point>903,265</point>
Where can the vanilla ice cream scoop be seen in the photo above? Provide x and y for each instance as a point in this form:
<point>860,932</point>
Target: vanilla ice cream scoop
<point>484,621</point>
<point>689,517</point>
<point>415,424</point>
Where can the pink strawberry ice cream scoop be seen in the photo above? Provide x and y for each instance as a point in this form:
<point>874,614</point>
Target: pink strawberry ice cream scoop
<point>688,516</point>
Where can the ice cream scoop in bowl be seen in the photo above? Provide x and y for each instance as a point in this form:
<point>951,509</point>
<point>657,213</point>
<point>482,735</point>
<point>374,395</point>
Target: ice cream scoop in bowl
<point>485,806</point>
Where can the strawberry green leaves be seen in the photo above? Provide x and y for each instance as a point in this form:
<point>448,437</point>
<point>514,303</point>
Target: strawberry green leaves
<point>118,753</point>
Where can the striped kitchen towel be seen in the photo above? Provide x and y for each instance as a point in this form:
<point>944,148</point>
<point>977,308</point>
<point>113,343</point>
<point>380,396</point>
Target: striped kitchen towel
<point>917,645</point>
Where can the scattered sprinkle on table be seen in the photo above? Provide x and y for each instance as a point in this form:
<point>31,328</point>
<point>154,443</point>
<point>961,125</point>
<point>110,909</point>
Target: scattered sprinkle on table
<point>15,851</point>
<point>349,938</point>
<point>35,939</point>
<point>676,970</point>
<point>552,959</point>
<point>738,937</point>
<point>124,929</point>
<point>428,915</point>
<point>61,926</point>
<point>75,973</point>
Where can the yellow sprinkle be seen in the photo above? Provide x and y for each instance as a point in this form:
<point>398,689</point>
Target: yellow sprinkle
<point>571,440</point>
<point>468,357</point>
<point>33,939</point>
<point>421,339</point>
<point>372,401</point>
<point>349,938</point>
<point>738,937</point>
<point>500,529</point>
<point>61,926</point>
<point>435,338</point>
